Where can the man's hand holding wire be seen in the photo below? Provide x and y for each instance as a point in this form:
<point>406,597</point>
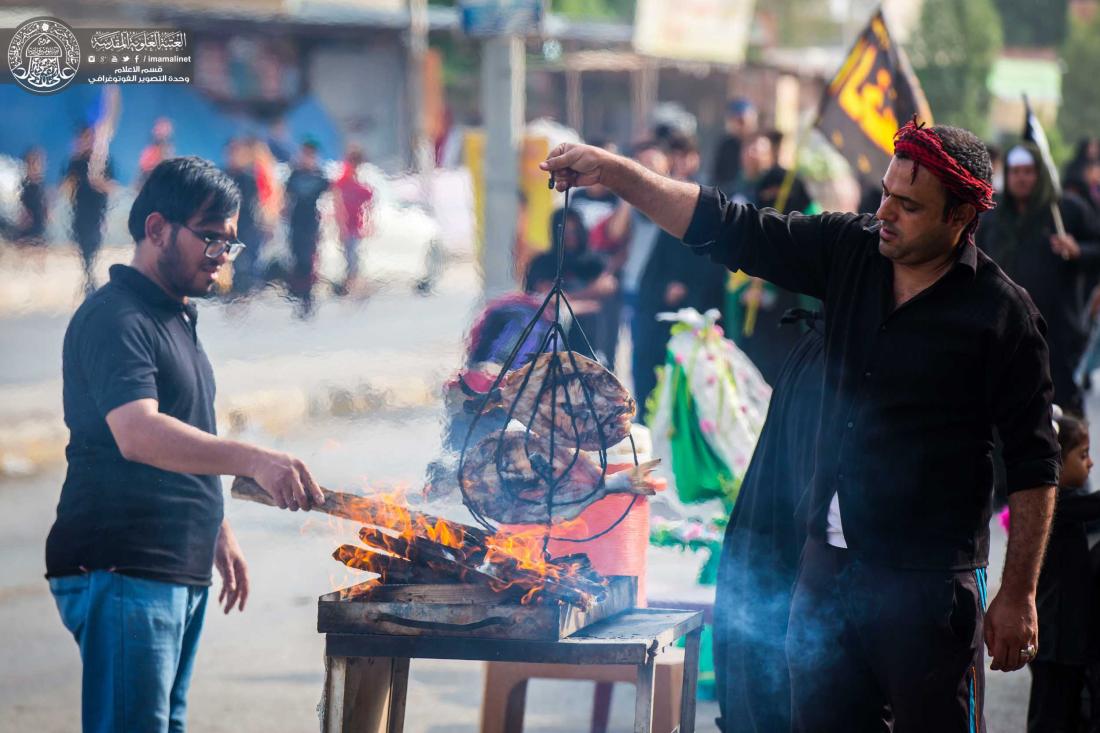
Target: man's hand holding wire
<point>574,164</point>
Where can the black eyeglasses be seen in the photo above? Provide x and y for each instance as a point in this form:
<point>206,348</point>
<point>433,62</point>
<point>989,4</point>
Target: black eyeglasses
<point>217,245</point>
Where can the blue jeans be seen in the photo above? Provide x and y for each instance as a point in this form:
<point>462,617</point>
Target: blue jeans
<point>137,641</point>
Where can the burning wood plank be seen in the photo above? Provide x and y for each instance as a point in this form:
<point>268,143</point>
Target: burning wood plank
<point>363,509</point>
<point>475,566</point>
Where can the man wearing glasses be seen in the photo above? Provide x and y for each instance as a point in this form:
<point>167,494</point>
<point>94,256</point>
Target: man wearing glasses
<point>140,523</point>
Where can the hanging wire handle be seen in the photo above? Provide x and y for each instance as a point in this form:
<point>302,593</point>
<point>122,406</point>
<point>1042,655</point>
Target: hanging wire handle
<point>554,341</point>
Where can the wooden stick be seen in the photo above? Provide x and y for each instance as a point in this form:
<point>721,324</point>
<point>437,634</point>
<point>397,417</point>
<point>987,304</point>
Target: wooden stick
<point>362,509</point>
<point>1059,225</point>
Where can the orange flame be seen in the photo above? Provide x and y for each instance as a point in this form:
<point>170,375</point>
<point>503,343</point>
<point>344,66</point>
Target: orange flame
<point>513,559</point>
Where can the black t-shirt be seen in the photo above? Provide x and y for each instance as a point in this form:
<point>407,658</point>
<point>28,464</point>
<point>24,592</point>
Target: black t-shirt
<point>303,189</point>
<point>130,341</point>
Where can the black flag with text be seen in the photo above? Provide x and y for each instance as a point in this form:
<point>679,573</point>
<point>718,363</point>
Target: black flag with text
<point>872,95</point>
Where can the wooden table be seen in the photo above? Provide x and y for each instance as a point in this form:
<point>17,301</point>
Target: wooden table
<point>366,675</point>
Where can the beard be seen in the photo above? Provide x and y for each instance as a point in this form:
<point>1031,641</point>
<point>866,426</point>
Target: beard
<point>176,274</point>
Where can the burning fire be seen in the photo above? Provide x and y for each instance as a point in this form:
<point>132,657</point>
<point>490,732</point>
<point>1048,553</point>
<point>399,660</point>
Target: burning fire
<point>402,545</point>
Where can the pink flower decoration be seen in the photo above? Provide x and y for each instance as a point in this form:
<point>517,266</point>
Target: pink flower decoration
<point>711,379</point>
<point>693,532</point>
<point>679,359</point>
<point>718,330</point>
<point>707,426</point>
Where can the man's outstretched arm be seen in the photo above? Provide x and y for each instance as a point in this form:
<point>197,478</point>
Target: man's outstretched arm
<point>667,202</point>
<point>792,252</point>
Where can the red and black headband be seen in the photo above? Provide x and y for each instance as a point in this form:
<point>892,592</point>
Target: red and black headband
<point>923,146</point>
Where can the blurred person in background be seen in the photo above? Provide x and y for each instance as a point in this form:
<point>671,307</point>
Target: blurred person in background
<point>754,307</point>
<point>683,156</point>
<point>268,188</point>
<point>304,187</point>
<point>1083,174</point>
<point>673,278</point>
<point>140,523</point>
<point>584,276</point>
<point>160,148</point>
<point>88,180</point>
<point>758,155</point>
<point>240,166</point>
<point>29,230</point>
<point>351,206</point>
<point>1020,236</point>
<point>640,235</point>
<point>741,121</point>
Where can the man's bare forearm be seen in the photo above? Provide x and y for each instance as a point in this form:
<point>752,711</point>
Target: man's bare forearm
<point>169,444</point>
<point>1031,512</point>
<point>667,202</point>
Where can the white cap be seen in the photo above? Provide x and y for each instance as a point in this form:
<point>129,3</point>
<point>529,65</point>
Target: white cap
<point>1019,155</point>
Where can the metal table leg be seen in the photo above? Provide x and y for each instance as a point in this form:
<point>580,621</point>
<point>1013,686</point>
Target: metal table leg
<point>643,701</point>
<point>691,680</point>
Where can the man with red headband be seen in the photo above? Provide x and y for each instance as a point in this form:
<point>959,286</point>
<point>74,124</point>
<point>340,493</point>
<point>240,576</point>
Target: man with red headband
<point>929,348</point>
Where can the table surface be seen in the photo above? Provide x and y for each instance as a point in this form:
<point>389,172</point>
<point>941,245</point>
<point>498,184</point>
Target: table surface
<point>631,637</point>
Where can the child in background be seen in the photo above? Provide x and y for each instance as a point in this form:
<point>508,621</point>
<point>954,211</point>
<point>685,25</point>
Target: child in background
<point>1064,594</point>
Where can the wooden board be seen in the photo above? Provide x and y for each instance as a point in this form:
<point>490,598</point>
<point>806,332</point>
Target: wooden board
<point>467,611</point>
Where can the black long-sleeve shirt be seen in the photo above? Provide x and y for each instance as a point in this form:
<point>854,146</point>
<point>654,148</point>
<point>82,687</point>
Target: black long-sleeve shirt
<point>912,394</point>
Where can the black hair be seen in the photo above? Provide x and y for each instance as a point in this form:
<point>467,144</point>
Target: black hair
<point>681,142</point>
<point>1072,430</point>
<point>543,268</point>
<point>558,220</point>
<point>179,188</point>
<point>1081,150</point>
<point>971,153</point>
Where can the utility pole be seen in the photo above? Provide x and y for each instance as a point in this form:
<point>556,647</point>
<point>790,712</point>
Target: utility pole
<point>503,73</point>
<point>418,50</point>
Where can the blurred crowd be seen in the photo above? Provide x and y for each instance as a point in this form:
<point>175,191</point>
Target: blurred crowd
<point>280,184</point>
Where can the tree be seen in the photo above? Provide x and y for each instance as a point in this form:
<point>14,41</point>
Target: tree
<point>953,52</point>
<point>1033,23</point>
<point>620,10</point>
<point>1080,112</point>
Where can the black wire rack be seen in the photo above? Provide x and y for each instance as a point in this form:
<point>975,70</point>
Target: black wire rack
<point>556,342</point>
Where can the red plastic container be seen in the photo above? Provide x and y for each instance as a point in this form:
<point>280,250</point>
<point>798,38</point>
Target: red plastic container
<point>622,551</point>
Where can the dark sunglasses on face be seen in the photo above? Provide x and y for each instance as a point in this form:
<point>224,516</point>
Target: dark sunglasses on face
<point>217,245</point>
